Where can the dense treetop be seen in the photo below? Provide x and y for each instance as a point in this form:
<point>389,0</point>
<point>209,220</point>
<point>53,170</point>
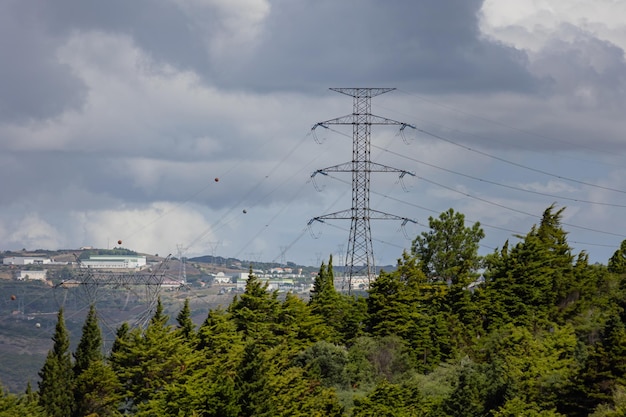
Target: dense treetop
<point>529,330</point>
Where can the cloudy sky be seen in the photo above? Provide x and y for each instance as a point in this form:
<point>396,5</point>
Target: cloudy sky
<point>117,117</point>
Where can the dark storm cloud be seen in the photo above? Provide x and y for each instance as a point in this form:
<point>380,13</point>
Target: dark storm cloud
<point>419,44</point>
<point>157,26</point>
<point>33,83</point>
<point>304,45</point>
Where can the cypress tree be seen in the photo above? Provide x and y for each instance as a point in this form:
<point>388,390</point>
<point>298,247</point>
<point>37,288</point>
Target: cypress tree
<point>617,262</point>
<point>255,312</point>
<point>96,390</point>
<point>89,347</point>
<point>146,362</point>
<point>55,387</point>
<point>185,324</point>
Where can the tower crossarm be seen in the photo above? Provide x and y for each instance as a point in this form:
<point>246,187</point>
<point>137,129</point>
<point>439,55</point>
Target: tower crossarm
<point>360,92</point>
<point>373,167</point>
<point>354,118</point>
<point>371,214</point>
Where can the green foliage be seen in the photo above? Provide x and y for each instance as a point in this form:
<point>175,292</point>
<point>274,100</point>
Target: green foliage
<point>115,251</point>
<point>326,362</point>
<point>618,406</point>
<point>97,391</point>
<point>404,304</point>
<point>371,360</point>
<point>517,406</point>
<point>145,362</point>
<point>185,324</point>
<point>26,405</point>
<point>55,386</point>
<point>538,367</point>
<point>449,251</point>
<point>390,400</point>
<point>543,336</point>
<point>343,314</point>
<point>617,262</point>
<point>90,345</point>
<point>255,312</point>
<point>534,281</point>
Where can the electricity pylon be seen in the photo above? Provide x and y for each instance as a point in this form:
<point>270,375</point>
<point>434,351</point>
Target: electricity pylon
<point>360,254</point>
<point>116,292</point>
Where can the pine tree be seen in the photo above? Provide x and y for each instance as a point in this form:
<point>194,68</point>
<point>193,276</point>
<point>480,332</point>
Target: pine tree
<point>55,386</point>
<point>449,251</point>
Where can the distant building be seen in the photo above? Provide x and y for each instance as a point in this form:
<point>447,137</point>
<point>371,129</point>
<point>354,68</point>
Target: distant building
<point>241,277</point>
<point>32,275</point>
<point>18,260</point>
<point>114,262</point>
<point>169,283</point>
<point>221,278</point>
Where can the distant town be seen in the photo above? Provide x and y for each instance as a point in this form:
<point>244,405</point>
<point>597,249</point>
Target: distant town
<point>65,268</point>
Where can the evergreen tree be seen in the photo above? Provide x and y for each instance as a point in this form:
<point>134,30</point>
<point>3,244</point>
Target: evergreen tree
<point>298,326</point>
<point>617,262</point>
<point>185,325</point>
<point>449,251</point>
<point>55,386</point>
<point>255,312</point>
<point>532,283</point>
<point>403,304</point>
<point>344,314</point>
<point>252,379</point>
<point>19,406</point>
<point>89,347</point>
<point>146,362</point>
<point>209,389</point>
<point>218,334</point>
<point>96,389</point>
<point>98,392</point>
<point>390,400</point>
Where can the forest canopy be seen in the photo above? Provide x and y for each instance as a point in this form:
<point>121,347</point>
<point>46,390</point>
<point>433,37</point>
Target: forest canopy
<point>530,329</point>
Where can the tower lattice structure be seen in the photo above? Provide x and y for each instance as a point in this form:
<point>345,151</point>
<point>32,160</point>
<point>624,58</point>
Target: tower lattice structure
<point>116,292</point>
<point>360,253</point>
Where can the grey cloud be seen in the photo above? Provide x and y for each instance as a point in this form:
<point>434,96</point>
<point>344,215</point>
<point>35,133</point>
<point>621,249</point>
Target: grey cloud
<point>158,26</point>
<point>33,83</point>
<point>310,46</point>
<point>313,45</point>
<point>579,61</point>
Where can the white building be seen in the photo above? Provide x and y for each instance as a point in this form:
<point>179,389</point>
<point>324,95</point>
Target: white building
<point>18,260</point>
<point>32,275</point>
<point>114,262</point>
<point>241,277</point>
<point>221,278</point>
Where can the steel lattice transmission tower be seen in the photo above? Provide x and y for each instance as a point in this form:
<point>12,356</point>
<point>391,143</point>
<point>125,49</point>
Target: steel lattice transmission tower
<point>116,292</point>
<point>360,254</point>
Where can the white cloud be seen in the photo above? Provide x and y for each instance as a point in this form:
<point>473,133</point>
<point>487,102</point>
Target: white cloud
<point>33,232</point>
<point>143,228</point>
<point>531,24</point>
